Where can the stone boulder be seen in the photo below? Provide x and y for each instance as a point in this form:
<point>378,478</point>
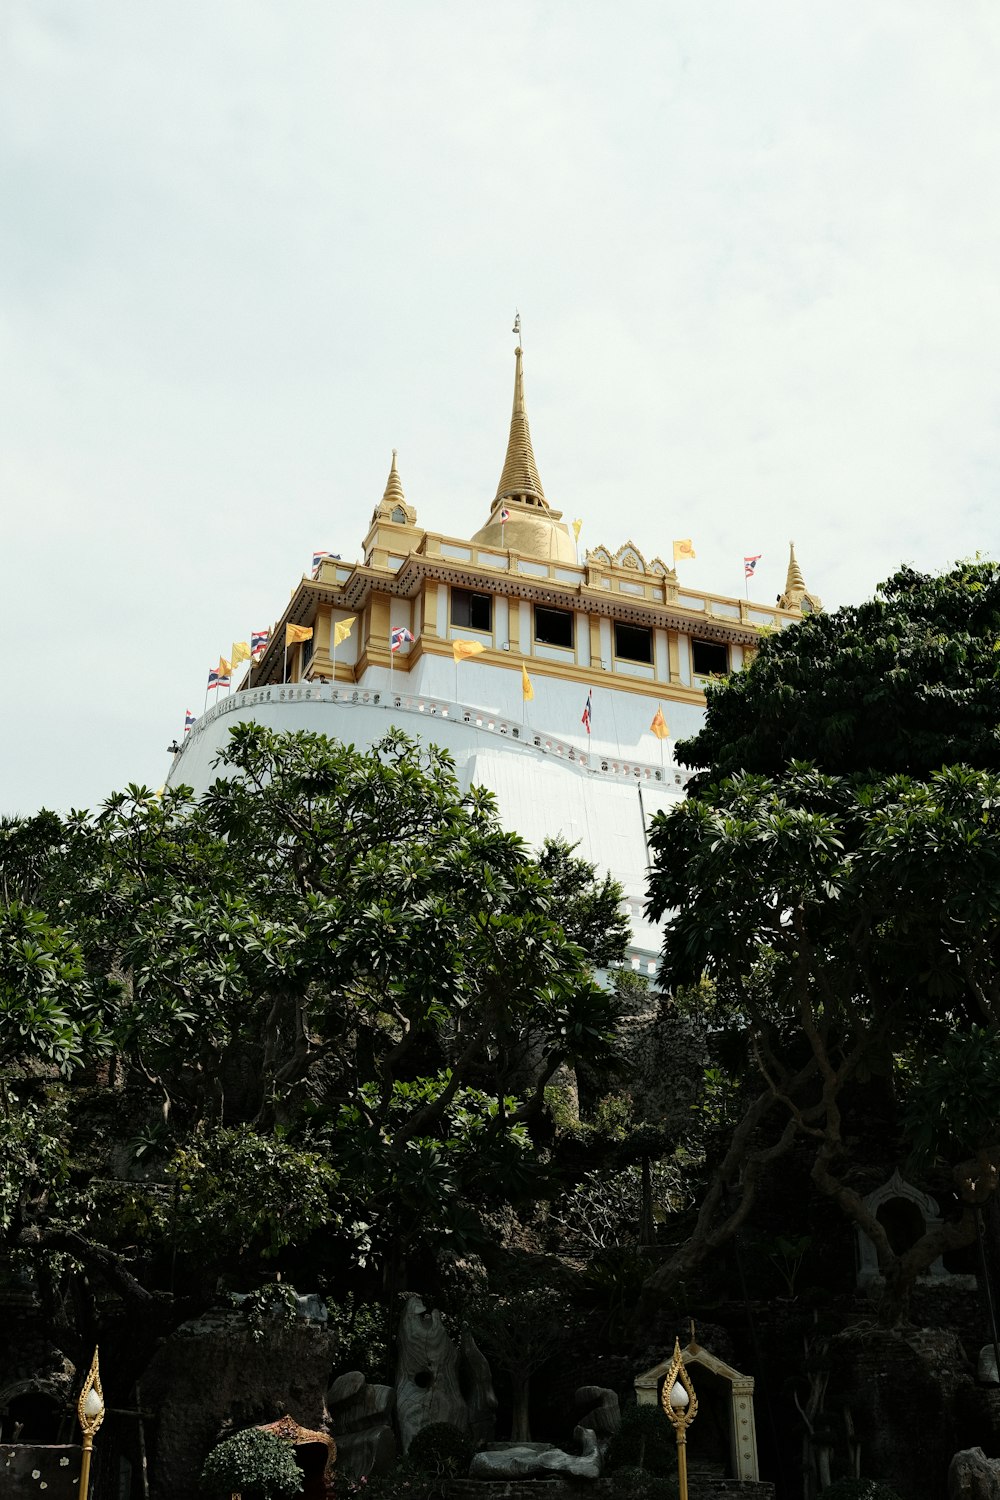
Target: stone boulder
<point>973,1476</point>
<point>531,1460</point>
<point>361,1415</point>
<point>599,1410</point>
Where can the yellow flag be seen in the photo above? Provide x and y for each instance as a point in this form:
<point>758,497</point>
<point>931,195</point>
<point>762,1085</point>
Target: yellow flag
<point>241,652</point>
<point>576,529</point>
<point>659,725</point>
<point>463,649</point>
<point>295,633</point>
<point>527,691</point>
<point>224,667</point>
<point>683,550</point>
<point>342,630</point>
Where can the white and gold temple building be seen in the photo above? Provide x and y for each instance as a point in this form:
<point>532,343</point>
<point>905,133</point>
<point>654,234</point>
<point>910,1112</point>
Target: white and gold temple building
<point>614,625</point>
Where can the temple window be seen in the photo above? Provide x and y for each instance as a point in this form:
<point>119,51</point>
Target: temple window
<point>633,642</point>
<point>554,627</point>
<point>709,658</point>
<point>399,515</point>
<point>471,611</point>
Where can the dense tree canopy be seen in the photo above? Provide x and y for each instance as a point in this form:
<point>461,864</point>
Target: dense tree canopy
<point>847,907</point>
<point>327,998</point>
<point>906,682</point>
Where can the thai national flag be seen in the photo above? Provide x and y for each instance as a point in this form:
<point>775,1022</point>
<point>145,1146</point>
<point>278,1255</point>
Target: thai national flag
<point>504,514</point>
<point>217,679</point>
<point>318,558</point>
<point>188,720</point>
<point>750,564</point>
<point>585,716</point>
<point>398,635</point>
<point>258,641</point>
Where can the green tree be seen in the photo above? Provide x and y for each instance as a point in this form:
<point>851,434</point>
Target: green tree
<point>399,975</point>
<point>848,914</point>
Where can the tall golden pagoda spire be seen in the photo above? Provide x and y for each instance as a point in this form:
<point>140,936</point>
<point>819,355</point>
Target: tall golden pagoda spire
<point>393,486</point>
<point>519,480</point>
<point>796,595</point>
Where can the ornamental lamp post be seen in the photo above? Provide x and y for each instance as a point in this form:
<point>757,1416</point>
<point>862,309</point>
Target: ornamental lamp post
<point>681,1405</point>
<point>90,1415</point>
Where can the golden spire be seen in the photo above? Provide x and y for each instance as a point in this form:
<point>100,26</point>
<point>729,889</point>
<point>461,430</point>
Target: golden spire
<point>796,595</point>
<point>520,474</point>
<point>794,582</point>
<point>394,486</point>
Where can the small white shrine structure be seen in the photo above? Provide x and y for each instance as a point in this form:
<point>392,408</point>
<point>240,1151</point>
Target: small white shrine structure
<point>742,1427</point>
<point>906,1213</point>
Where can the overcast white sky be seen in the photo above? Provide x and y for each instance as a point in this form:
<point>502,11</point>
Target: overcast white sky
<point>247,248</point>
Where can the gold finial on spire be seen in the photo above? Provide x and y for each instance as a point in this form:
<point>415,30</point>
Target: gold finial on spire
<point>519,479</point>
<point>394,485</point>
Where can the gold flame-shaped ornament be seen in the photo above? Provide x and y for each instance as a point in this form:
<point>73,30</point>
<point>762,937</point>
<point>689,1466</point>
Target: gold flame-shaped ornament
<point>90,1407</point>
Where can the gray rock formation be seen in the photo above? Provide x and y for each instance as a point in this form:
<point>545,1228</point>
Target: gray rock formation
<point>361,1415</point>
<point>598,1409</point>
<point>477,1388</point>
<point>427,1376</point>
<point>529,1460</point>
<point>973,1476</point>
<point>986,1366</point>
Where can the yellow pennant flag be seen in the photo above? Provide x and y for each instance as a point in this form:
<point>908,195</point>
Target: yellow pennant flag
<point>224,667</point>
<point>295,633</point>
<point>576,529</point>
<point>241,652</point>
<point>527,691</point>
<point>463,649</point>
<point>683,550</point>
<point>659,725</point>
<point>342,630</point>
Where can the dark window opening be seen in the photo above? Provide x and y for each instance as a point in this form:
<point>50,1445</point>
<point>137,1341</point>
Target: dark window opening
<point>633,642</point>
<point>307,651</point>
<point>554,627</point>
<point>709,658</point>
<point>473,611</point>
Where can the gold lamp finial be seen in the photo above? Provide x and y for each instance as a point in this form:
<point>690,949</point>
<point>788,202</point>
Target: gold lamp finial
<point>90,1415</point>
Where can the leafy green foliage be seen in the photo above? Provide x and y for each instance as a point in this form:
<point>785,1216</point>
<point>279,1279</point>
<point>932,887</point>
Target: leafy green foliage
<point>257,1465</point>
<point>442,1450</point>
<point>904,683</point>
<point>846,907</point>
<point>859,1489</point>
<point>319,983</point>
<point>645,1442</point>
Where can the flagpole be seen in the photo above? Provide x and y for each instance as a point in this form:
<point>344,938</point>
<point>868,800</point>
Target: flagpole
<point>205,708</point>
<point>284,672</point>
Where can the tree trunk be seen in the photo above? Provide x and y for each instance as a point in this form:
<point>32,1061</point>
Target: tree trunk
<point>647,1229</point>
<point>520,1423</point>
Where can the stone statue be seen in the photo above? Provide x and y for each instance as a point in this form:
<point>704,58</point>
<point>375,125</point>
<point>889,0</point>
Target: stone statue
<point>599,1410</point>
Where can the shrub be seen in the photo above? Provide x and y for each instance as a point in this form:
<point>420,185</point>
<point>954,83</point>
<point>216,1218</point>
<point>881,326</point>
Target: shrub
<point>404,1482</point>
<point>859,1489</point>
<point>257,1465</point>
<point>442,1450</point>
<point>637,1484</point>
<point>646,1441</point>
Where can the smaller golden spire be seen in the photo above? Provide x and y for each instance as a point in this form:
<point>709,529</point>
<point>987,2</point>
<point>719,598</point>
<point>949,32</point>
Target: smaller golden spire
<point>796,595</point>
<point>394,486</point>
<point>794,582</point>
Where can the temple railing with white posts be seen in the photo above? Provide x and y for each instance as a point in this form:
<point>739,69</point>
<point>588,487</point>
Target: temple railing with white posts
<point>615,767</point>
